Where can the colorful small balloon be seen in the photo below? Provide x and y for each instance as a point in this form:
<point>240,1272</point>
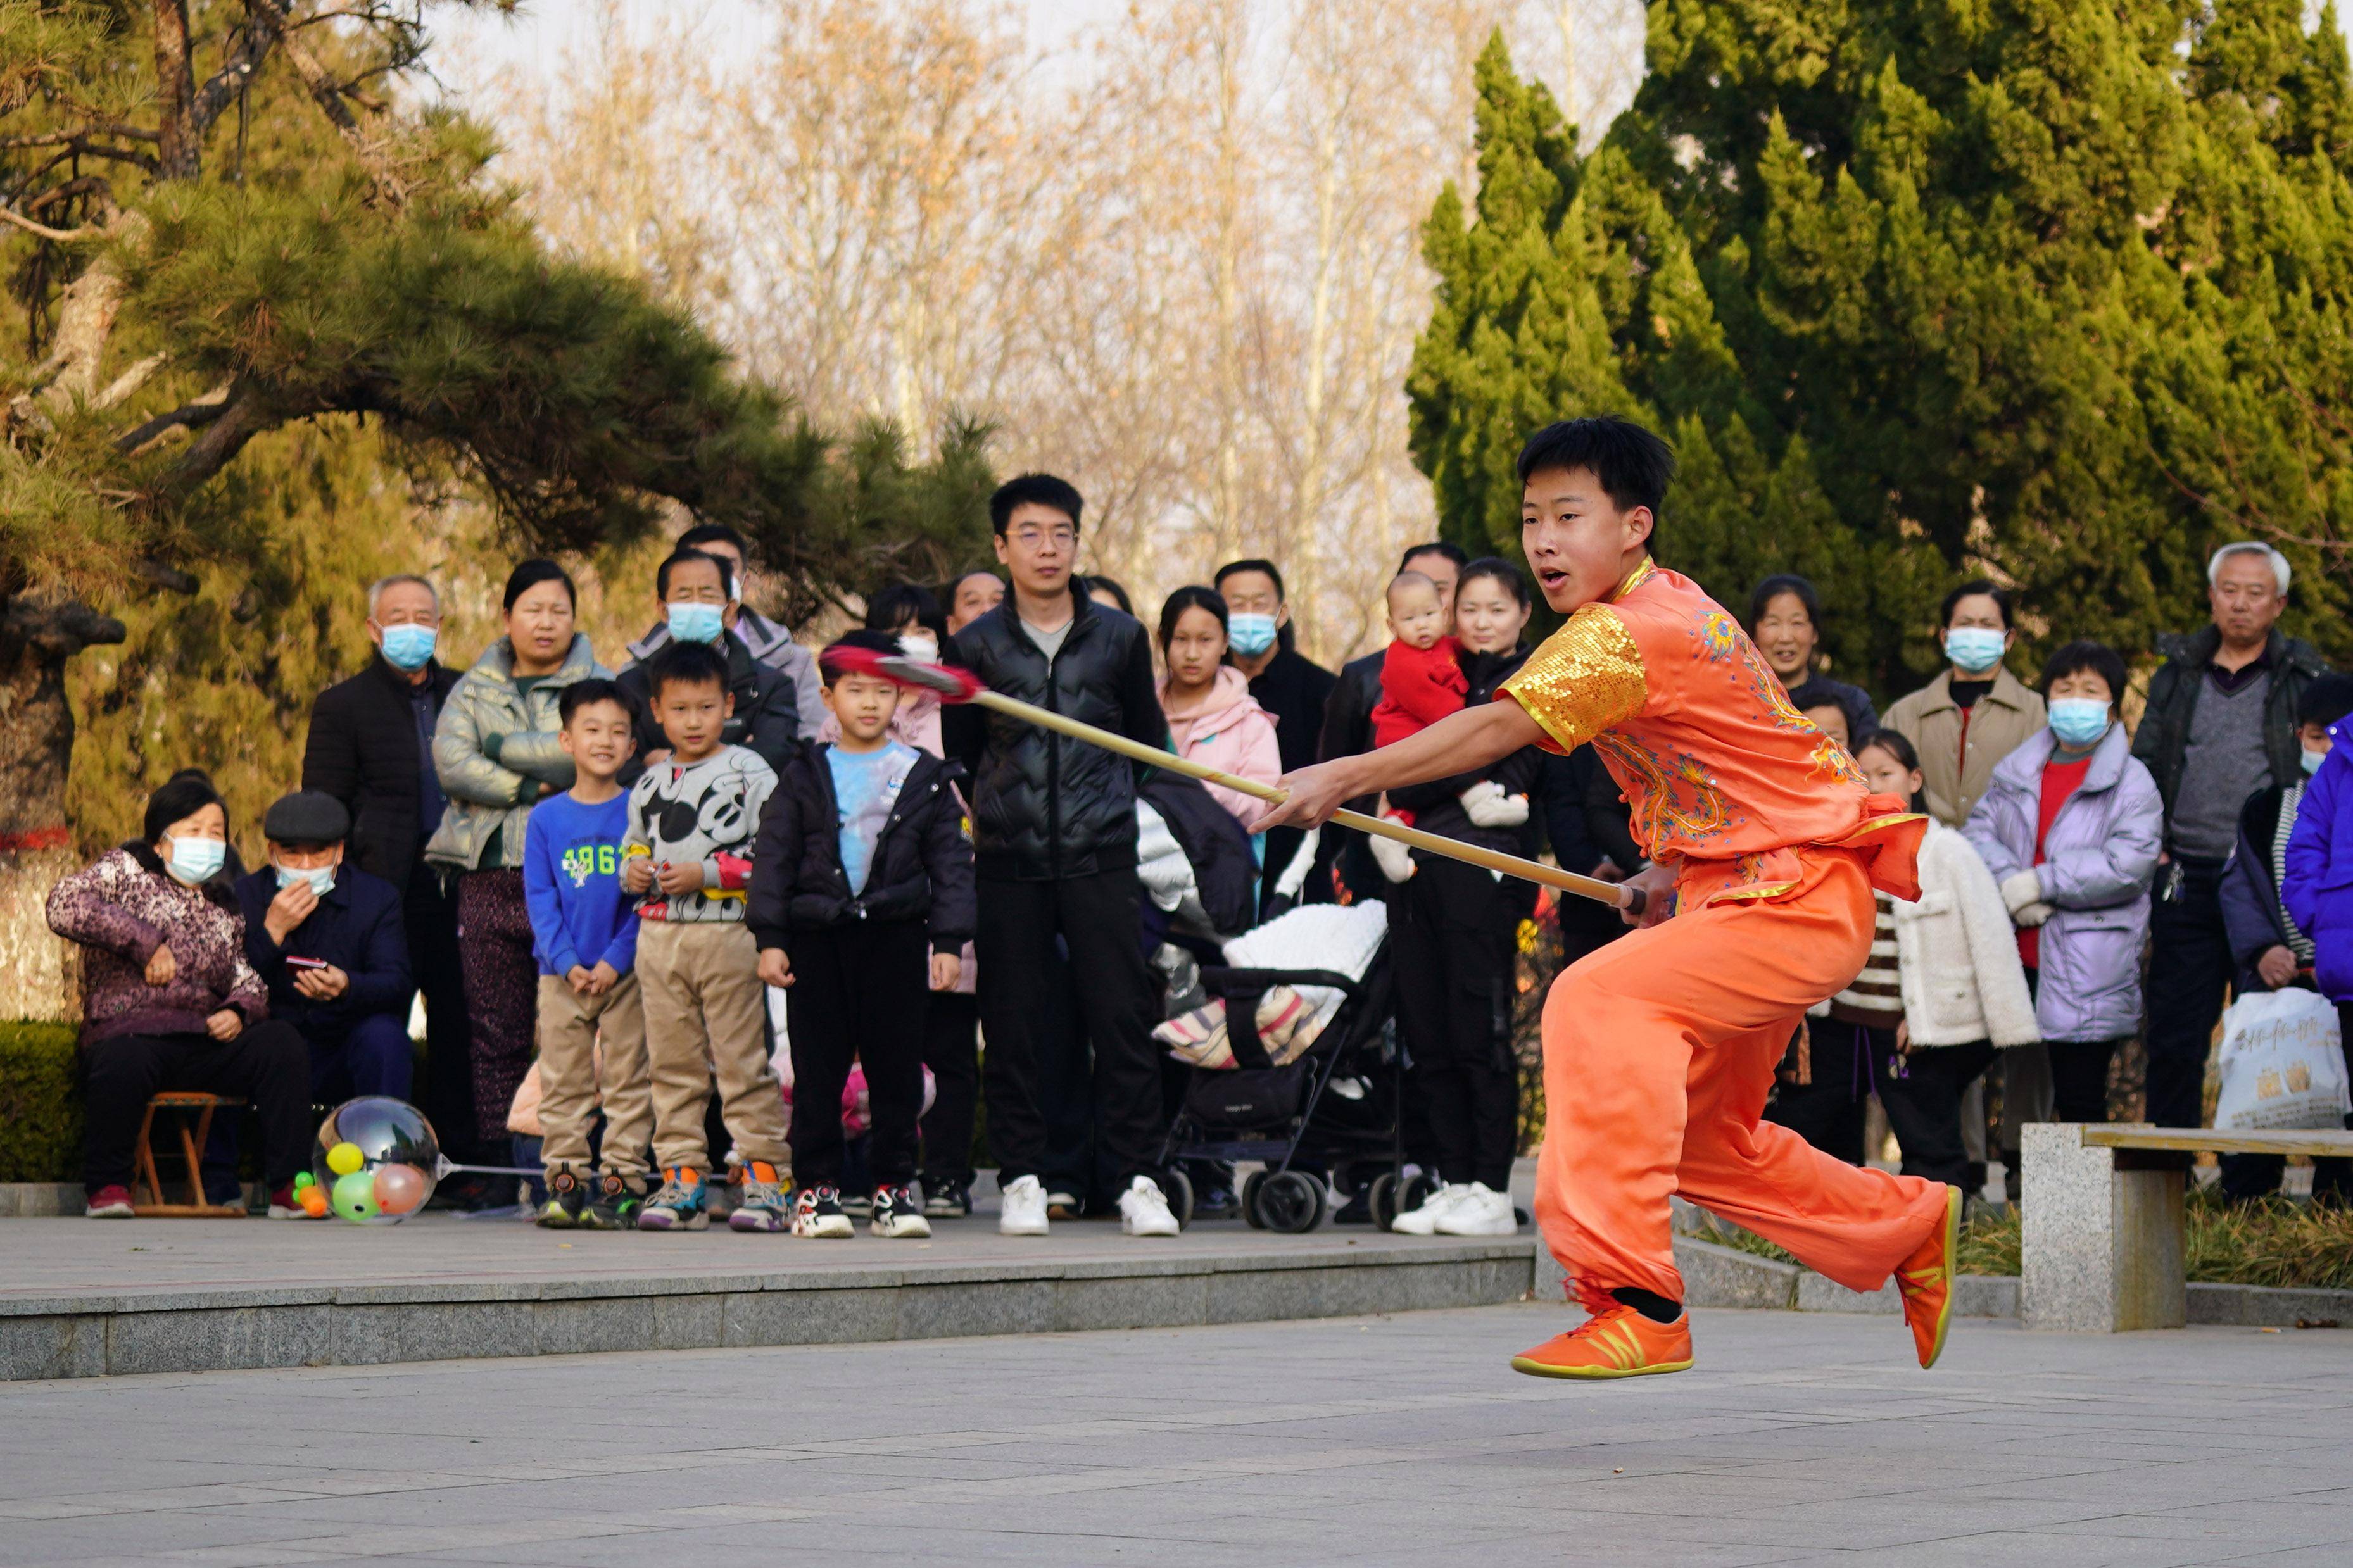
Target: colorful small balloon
<point>345,1159</point>
<point>399,1188</point>
<point>313,1199</point>
<point>303,1179</point>
<point>356,1198</point>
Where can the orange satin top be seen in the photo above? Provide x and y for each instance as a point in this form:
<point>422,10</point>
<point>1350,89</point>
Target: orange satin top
<point>1725,778</point>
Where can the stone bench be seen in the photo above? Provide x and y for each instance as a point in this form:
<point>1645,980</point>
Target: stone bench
<point>2102,1235</point>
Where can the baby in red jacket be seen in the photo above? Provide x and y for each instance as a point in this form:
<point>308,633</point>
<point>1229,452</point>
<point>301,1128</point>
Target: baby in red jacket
<point>1422,674</point>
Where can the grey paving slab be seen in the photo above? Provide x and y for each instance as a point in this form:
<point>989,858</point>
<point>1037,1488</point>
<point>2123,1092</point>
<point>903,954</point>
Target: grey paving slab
<point>1799,1437</point>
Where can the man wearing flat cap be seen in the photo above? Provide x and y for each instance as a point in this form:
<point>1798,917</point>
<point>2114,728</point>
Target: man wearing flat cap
<point>326,938</point>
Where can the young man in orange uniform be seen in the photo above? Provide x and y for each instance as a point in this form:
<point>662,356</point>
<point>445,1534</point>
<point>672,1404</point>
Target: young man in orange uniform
<point>1765,845</point>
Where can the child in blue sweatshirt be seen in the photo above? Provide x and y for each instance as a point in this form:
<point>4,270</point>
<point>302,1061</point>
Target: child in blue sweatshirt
<point>585,934</point>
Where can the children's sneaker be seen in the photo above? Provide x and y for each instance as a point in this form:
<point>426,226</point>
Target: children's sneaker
<point>1424,1220</point>
<point>1480,1211</point>
<point>817,1213</point>
<point>949,1200</point>
<point>760,1201</point>
<point>897,1216</point>
<point>1143,1211</point>
<point>109,1202</point>
<point>613,1205</point>
<point>286,1202</point>
<point>1024,1211</point>
<point>680,1203</point>
<point>568,1196</point>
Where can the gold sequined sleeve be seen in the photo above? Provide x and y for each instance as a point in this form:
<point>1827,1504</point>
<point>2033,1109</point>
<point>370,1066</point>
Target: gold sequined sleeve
<point>1586,677</point>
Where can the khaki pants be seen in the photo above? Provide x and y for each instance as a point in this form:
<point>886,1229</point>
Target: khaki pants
<point>705,1009</point>
<point>571,1028</point>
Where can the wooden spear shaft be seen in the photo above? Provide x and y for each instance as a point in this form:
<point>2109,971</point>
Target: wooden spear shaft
<point>1617,895</point>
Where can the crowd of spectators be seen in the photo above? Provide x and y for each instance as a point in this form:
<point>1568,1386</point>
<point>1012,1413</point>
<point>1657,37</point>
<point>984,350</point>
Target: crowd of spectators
<point>739,899</point>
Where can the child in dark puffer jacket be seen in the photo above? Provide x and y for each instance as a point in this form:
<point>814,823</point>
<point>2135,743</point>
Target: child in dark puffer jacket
<point>860,869</point>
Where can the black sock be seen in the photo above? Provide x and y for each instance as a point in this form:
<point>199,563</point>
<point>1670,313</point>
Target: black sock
<point>1650,1303</point>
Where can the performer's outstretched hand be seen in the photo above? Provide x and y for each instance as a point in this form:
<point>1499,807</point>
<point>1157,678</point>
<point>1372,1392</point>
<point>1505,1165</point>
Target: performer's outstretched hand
<point>1314,794</point>
<point>1658,886</point>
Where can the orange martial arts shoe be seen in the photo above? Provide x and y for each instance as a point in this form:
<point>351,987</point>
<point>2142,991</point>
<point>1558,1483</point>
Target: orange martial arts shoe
<point>1926,1281</point>
<point>1616,1342</point>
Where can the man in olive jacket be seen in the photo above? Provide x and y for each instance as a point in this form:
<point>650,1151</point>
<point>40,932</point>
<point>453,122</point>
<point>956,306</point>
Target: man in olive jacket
<point>2220,724</point>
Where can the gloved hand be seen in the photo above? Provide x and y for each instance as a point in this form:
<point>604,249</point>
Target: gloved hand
<point>1394,859</point>
<point>2021,888</point>
<point>2032,914</point>
<point>1487,805</point>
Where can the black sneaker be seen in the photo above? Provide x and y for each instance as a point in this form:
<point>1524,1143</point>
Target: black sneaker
<point>614,1205</point>
<point>568,1199</point>
<point>949,1200</point>
<point>816,1212</point>
<point>897,1215</point>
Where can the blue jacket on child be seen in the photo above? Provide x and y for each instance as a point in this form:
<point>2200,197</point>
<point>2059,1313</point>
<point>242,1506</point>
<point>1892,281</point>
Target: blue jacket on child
<point>571,884</point>
<point>2318,887</point>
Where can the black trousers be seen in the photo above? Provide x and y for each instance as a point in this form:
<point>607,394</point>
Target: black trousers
<point>858,994</point>
<point>2190,967</point>
<point>2079,1079</point>
<point>952,1050</point>
<point>267,1065</point>
<point>1827,1112</point>
<point>1922,1094</point>
<point>429,919</point>
<point>2253,1175</point>
<point>1098,919</point>
<point>1453,948</point>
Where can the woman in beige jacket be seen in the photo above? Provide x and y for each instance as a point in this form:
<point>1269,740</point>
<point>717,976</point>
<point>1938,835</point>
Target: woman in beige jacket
<point>1976,712</point>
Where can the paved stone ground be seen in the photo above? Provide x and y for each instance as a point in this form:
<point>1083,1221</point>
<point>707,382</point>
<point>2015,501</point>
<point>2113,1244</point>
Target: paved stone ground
<point>1800,1437</point>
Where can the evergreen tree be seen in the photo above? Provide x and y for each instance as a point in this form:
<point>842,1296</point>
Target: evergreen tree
<point>2049,290</point>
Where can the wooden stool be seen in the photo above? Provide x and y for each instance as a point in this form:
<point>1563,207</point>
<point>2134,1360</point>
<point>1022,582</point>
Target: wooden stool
<point>147,1187</point>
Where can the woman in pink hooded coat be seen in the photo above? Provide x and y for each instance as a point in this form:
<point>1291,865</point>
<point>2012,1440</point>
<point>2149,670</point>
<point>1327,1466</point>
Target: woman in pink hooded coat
<point>1212,717</point>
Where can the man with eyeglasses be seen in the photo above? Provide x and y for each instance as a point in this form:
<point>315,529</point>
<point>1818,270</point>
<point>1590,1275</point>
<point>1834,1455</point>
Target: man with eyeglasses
<point>1053,824</point>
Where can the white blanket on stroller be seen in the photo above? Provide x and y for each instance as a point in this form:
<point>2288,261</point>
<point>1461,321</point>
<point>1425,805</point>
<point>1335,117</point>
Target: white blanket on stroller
<point>1315,936</point>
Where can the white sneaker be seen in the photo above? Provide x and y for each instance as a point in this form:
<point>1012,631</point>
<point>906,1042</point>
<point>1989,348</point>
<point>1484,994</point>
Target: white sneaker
<point>1423,1221</point>
<point>1143,1211</point>
<point>1025,1209</point>
<point>1480,1211</point>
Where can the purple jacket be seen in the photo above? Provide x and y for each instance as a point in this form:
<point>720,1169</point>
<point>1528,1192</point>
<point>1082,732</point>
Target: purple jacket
<point>120,908</point>
<point>2318,887</point>
<point>2098,861</point>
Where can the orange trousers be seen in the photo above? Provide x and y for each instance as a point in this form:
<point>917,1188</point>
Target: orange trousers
<point>1659,1050</point>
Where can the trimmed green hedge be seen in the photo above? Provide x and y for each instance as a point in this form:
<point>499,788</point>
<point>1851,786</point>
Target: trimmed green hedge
<point>40,1103</point>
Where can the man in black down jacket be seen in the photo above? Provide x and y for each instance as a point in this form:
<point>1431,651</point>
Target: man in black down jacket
<point>371,747</point>
<point>1054,834</point>
<point>860,959</point>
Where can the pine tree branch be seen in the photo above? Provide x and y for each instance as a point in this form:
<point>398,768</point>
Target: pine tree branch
<point>188,416</point>
<point>179,143</point>
<point>255,41</point>
<point>328,94</point>
<point>62,236</point>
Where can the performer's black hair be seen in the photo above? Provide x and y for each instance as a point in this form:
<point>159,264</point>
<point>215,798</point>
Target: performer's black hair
<point>1632,463</point>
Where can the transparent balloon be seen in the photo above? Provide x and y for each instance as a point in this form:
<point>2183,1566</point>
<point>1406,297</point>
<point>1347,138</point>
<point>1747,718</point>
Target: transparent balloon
<point>376,1162</point>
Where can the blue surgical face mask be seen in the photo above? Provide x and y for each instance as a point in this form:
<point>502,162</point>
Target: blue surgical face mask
<point>1249,634</point>
<point>2078,720</point>
<point>406,647</point>
<point>321,879</point>
<point>1974,649</point>
<point>194,860</point>
<point>2312,761</point>
<point>695,622</point>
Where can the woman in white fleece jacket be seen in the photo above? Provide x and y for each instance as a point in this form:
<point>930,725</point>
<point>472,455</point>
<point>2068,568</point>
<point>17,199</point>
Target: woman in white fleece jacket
<point>1961,988</point>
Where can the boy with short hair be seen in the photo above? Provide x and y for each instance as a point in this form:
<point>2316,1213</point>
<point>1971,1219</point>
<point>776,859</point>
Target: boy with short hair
<point>861,901</point>
<point>584,931</point>
<point>689,852</point>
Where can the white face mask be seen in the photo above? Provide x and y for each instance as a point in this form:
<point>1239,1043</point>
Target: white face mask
<point>919,645</point>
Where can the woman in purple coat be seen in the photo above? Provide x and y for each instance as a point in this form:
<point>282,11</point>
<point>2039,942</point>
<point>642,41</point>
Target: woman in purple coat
<point>2070,828</point>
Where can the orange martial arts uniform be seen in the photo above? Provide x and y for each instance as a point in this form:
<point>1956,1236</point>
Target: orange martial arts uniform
<point>1659,1048</point>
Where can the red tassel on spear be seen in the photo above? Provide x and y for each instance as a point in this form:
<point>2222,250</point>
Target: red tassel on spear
<point>952,685</point>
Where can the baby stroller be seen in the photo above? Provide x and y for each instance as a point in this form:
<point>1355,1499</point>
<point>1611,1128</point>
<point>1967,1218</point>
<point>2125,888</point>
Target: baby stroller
<point>1332,1112</point>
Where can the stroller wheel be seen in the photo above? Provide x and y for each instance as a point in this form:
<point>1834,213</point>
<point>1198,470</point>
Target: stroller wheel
<point>1384,1200</point>
<point>1252,1185</point>
<point>1177,1188</point>
<point>1292,1202</point>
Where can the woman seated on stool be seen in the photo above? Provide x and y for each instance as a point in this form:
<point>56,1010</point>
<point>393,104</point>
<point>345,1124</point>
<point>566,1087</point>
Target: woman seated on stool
<point>168,1000</point>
